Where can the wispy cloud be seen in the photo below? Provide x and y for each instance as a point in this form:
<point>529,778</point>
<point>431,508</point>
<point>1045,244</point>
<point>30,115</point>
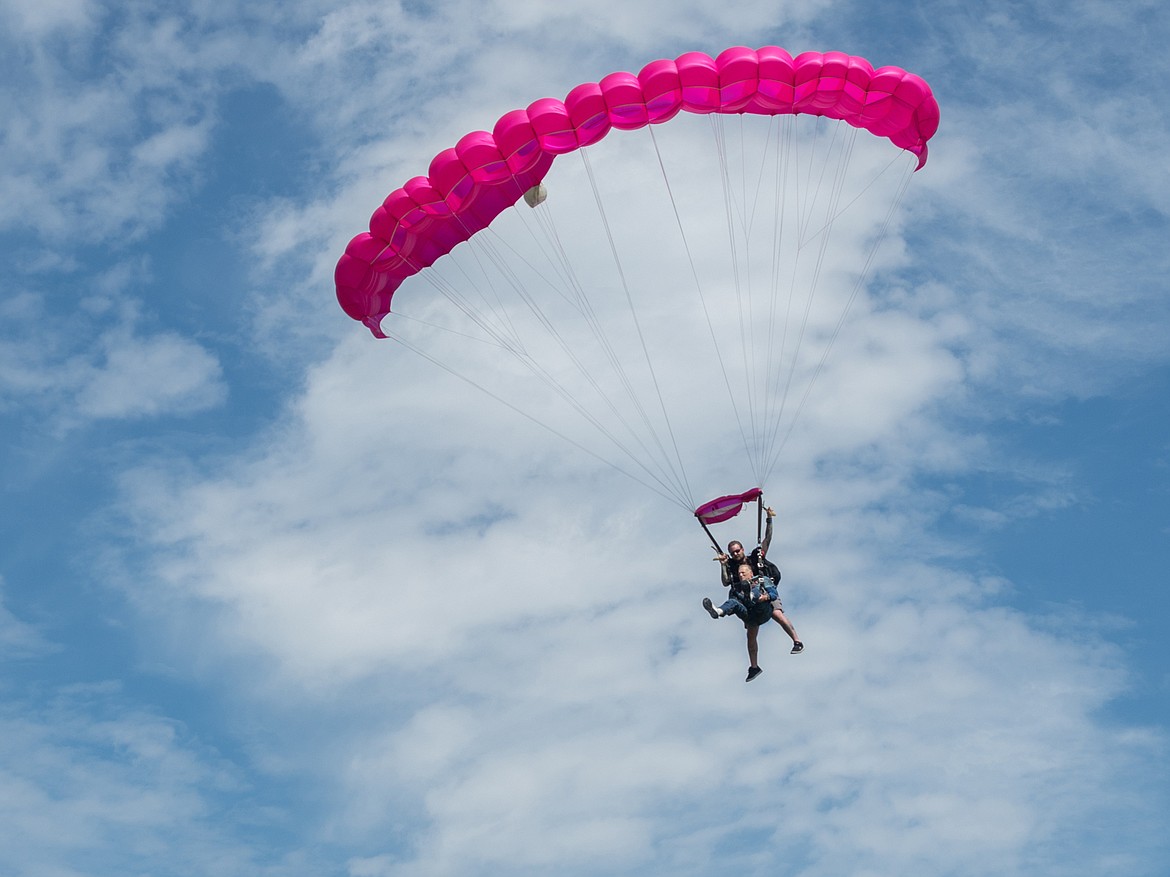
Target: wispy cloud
<point>468,646</point>
<point>121,372</point>
<point>92,785</point>
<point>18,639</point>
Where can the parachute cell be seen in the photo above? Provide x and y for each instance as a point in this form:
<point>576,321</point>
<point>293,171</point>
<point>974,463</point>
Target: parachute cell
<point>468,186</point>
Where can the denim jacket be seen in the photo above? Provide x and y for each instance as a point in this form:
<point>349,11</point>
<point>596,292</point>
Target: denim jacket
<point>748,592</point>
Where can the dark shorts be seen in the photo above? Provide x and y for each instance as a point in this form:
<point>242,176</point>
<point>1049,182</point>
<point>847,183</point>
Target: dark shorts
<point>758,614</point>
<point>761,613</point>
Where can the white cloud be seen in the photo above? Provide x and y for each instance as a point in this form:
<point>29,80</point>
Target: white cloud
<point>564,683</point>
<point>1055,205</point>
<point>559,677</point>
<point>17,639</point>
<point>91,785</point>
<point>121,372</point>
<point>105,128</point>
<point>160,374</point>
<point>562,702</point>
<point>33,19</point>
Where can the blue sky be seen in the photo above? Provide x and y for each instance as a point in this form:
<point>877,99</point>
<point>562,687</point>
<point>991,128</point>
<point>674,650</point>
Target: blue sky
<point>278,599</point>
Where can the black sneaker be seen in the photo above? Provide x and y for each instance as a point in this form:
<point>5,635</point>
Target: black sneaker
<point>753,672</point>
<point>710,607</point>
<point>797,648</point>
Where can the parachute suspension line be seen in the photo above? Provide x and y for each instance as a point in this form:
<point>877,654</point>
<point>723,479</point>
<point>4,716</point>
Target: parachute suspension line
<point>760,173</point>
<point>487,246</point>
<point>699,288</point>
<point>757,382</point>
<point>814,181</point>
<point>743,310</point>
<point>498,309</point>
<point>786,145</point>
<point>581,303</point>
<point>804,209</point>
<point>447,329</point>
<point>755,331</point>
<point>637,325</point>
<point>762,364</point>
<point>759,319</point>
<point>574,293</point>
<point>791,171</point>
<point>841,210</point>
<point>555,251</point>
<point>502,264</point>
<point>858,284</point>
<point>550,381</point>
<point>506,271</point>
<point>491,241</point>
<point>481,250</point>
<point>558,388</point>
<point>665,493</point>
<point>559,285</point>
<point>775,359</point>
<point>836,186</point>
<point>788,154</point>
<point>789,178</point>
<point>503,338</point>
<point>584,307</point>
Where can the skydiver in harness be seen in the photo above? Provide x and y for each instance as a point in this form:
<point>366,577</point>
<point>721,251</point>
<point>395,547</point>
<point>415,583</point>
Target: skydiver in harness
<point>753,598</point>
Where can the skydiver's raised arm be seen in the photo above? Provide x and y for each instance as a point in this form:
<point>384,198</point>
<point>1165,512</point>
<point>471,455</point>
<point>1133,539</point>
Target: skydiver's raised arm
<point>767,532</point>
<point>724,569</point>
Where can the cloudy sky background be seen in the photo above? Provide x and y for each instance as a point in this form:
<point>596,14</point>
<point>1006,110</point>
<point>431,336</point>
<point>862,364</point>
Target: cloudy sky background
<point>224,649</point>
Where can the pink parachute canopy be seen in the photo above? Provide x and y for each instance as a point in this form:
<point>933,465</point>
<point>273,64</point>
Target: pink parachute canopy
<point>725,507</point>
<point>470,184</point>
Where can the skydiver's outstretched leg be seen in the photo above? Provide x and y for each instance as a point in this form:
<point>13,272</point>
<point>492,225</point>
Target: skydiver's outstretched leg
<point>780,618</point>
<point>729,607</point>
<point>753,647</point>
